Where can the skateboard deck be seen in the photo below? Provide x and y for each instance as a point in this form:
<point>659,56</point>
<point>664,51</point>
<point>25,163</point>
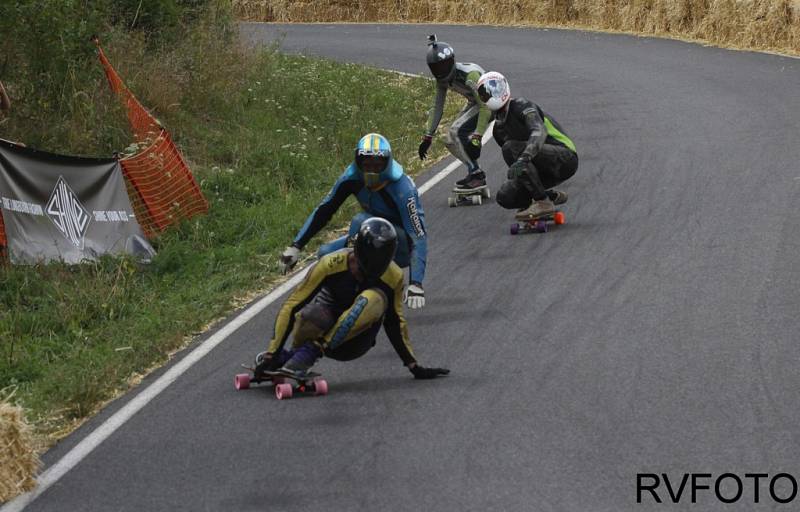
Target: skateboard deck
<point>285,384</point>
<point>538,224</point>
<point>473,196</point>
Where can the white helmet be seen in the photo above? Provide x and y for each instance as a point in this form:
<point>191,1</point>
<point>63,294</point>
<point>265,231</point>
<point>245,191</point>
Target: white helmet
<point>494,90</point>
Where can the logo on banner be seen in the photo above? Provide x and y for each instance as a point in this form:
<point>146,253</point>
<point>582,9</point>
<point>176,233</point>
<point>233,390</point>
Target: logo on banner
<point>67,213</point>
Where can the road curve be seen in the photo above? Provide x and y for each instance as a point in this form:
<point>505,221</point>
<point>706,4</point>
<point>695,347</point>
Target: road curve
<point>655,332</point>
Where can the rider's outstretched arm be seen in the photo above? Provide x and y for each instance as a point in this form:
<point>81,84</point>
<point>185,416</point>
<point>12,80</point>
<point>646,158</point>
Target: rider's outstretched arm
<point>413,218</point>
<point>395,323</point>
<point>346,184</point>
<point>436,112</point>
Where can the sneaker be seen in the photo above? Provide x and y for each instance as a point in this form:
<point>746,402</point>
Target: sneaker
<point>537,209</point>
<point>270,363</point>
<point>303,359</point>
<point>472,180</point>
<point>557,196</point>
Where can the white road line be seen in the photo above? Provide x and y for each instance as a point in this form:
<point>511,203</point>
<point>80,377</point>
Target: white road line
<point>412,75</point>
<point>101,433</point>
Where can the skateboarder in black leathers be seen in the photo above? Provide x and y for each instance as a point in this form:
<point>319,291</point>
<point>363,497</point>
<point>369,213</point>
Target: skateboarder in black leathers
<point>341,305</point>
<point>465,134</point>
<point>536,149</point>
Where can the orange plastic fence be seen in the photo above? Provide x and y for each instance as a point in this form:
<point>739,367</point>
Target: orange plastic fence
<point>2,236</point>
<point>160,184</point>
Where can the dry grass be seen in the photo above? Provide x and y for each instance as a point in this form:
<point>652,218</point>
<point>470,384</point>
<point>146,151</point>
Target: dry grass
<point>754,24</point>
<point>18,462</point>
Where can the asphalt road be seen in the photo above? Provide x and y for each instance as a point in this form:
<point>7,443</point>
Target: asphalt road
<point>655,332</point>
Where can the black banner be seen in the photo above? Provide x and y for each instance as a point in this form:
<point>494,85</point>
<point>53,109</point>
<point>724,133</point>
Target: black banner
<point>65,208</point>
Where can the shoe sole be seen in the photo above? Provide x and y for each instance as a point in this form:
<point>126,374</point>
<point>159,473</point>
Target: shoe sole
<point>535,217</point>
<point>476,189</point>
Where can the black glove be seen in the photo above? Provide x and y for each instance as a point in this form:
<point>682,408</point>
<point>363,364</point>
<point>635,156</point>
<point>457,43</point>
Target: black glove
<point>424,146</point>
<point>518,168</point>
<point>420,372</point>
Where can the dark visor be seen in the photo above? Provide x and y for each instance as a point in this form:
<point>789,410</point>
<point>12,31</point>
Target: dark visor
<point>442,68</point>
<point>484,94</point>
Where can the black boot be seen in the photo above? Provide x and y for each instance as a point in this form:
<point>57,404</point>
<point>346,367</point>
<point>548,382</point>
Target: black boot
<point>473,180</point>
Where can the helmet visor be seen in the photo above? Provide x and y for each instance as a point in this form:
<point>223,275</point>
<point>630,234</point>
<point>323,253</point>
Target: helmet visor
<point>492,88</point>
<point>442,68</point>
<point>375,247</point>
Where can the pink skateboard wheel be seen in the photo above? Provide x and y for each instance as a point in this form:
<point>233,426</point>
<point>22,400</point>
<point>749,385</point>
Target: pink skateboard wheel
<point>283,391</point>
<point>241,381</point>
<point>320,386</point>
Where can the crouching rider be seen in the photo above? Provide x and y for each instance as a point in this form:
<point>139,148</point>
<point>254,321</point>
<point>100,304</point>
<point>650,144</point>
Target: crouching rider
<point>338,310</point>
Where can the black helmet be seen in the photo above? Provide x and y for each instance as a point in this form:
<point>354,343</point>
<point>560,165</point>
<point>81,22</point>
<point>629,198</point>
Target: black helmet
<point>441,58</point>
<point>375,245</point>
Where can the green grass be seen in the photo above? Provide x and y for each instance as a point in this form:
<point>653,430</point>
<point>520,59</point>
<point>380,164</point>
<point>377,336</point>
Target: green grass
<point>266,135</point>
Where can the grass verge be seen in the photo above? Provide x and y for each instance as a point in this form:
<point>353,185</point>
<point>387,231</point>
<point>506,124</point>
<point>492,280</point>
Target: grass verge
<point>266,134</point>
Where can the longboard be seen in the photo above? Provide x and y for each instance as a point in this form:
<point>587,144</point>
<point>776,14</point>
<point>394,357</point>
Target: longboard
<point>538,224</point>
<point>286,384</point>
<point>473,196</point>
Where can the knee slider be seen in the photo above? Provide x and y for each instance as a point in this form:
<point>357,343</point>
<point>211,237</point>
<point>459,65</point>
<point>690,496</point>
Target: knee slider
<point>504,198</point>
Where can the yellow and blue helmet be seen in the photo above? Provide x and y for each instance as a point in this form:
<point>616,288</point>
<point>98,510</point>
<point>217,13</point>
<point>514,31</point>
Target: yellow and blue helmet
<point>374,161</point>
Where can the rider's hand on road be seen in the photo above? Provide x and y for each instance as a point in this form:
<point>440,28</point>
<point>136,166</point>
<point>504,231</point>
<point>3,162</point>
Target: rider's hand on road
<point>420,372</point>
<point>415,296</point>
<point>289,258</point>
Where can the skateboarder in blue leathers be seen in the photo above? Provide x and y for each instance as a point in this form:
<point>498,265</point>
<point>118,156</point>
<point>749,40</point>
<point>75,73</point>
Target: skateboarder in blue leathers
<point>383,190</point>
<point>465,134</point>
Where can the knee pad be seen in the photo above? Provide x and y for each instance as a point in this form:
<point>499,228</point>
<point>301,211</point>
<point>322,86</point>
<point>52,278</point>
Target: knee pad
<point>377,297</point>
<point>367,310</point>
<point>503,198</point>
<point>451,143</point>
<point>509,197</point>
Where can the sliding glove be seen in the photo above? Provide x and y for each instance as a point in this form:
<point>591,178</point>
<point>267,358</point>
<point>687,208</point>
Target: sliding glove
<point>420,372</point>
<point>415,296</point>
